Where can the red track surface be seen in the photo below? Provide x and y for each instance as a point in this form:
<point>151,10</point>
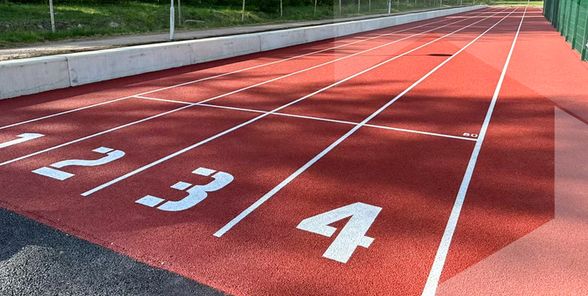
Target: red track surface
<point>326,143</point>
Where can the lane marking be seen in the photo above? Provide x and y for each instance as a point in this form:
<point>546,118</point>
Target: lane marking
<point>227,131</point>
<point>311,162</point>
<point>53,172</point>
<point>230,93</point>
<point>21,139</point>
<point>220,75</point>
<point>437,267</point>
<point>196,193</point>
<point>352,235</point>
<point>466,138</point>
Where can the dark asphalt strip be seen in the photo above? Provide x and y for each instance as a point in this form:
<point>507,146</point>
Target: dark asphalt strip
<point>38,260</point>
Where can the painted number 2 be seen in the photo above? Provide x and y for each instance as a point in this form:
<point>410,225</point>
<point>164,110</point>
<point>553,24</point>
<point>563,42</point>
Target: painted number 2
<point>54,173</point>
<point>196,193</point>
<point>353,233</point>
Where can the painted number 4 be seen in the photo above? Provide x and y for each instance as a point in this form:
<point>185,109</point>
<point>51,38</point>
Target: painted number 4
<point>353,233</point>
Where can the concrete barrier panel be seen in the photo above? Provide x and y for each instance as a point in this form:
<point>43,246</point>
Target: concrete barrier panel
<point>277,39</point>
<point>93,66</point>
<point>212,49</point>
<point>29,76</point>
<point>319,33</point>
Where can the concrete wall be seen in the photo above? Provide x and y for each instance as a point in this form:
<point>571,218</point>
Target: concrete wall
<point>34,75</point>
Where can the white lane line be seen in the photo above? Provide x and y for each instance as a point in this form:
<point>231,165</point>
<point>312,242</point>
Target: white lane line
<point>225,132</point>
<point>437,267</point>
<point>313,118</point>
<point>215,98</point>
<point>215,76</point>
<point>311,162</point>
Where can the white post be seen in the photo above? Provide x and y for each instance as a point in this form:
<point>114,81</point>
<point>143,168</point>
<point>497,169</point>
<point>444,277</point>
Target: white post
<point>340,9</point>
<point>243,12</point>
<point>358,5</point>
<point>315,3</point>
<point>389,6</point>
<point>51,12</point>
<point>281,9</point>
<point>172,21</point>
<point>369,5</point>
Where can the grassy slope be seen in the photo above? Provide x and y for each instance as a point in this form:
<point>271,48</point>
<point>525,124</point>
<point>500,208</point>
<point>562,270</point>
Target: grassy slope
<point>29,23</point>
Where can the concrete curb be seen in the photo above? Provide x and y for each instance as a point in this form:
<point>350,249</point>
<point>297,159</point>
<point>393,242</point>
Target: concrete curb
<point>35,75</point>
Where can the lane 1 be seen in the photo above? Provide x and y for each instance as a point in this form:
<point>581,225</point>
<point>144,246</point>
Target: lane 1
<point>52,132</point>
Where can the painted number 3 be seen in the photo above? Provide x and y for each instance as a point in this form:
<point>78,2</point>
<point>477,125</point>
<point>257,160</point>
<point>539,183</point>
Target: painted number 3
<point>353,233</point>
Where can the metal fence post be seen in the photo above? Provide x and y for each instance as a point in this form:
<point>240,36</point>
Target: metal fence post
<point>180,11</point>
<point>243,12</point>
<point>172,20</point>
<point>52,13</point>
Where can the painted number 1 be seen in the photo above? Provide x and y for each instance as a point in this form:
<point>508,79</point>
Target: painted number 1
<point>21,139</point>
<point>352,235</point>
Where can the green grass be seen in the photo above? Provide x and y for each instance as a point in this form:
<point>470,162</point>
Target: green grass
<point>22,24</point>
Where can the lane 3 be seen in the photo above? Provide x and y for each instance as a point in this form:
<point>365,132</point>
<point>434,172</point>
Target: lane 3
<point>36,107</point>
<point>254,120</point>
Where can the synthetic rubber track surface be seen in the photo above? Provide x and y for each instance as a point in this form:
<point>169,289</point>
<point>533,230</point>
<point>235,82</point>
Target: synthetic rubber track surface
<point>382,130</point>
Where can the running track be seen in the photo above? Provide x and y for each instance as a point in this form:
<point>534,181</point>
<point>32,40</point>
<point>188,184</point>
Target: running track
<point>422,153</point>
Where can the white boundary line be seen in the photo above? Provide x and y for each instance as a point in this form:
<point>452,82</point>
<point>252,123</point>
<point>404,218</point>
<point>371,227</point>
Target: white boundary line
<point>313,118</point>
<point>224,74</point>
<point>437,267</point>
<point>233,92</point>
<point>227,131</point>
<point>311,162</point>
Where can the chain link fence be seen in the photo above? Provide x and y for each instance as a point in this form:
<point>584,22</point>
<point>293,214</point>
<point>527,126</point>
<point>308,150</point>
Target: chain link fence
<point>570,17</point>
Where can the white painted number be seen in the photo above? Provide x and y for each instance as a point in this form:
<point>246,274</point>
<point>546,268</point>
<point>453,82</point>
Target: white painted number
<point>54,173</point>
<point>21,139</point>
<point>470,135</point>
<point>353,233</point>
<point>196,193</point>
